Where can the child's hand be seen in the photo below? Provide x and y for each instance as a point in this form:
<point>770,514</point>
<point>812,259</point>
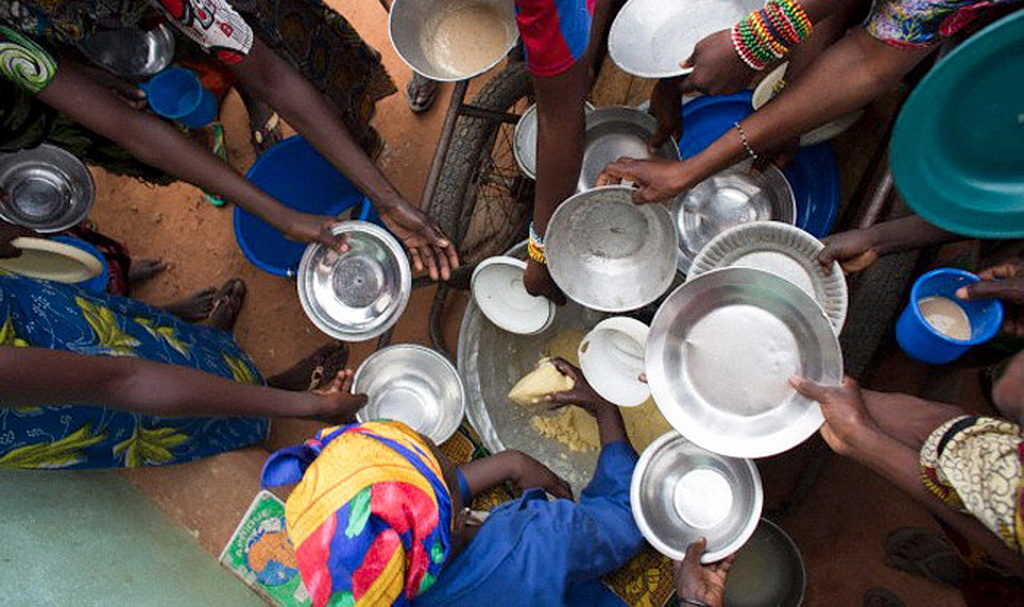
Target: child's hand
<point>528,473</point>
<point>582,394</point>
<point>698,584</point>
<point>337,403</point>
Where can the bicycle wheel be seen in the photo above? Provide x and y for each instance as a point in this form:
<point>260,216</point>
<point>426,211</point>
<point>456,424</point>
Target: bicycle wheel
<point>482,199</point>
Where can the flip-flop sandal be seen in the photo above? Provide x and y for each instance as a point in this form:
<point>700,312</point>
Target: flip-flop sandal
<point>923,552</point>
<point>420,93</point>
<point>328,367</point>
<point>231,294</point>
<point>881,597</point>
<point>264,137</point>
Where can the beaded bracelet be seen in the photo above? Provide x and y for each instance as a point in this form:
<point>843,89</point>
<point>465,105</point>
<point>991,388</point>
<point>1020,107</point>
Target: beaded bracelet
<point>768,34</point>
<point>535,246</point>
<point>746,142</point>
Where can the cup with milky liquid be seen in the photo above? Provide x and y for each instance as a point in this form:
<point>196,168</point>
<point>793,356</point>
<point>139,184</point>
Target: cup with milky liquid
<point>936,326</point>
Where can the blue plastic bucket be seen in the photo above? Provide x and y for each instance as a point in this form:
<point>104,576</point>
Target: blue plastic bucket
<point>922,341</point>
<point>176,93</point>
<point>98,283</point>
<point>294,173</point>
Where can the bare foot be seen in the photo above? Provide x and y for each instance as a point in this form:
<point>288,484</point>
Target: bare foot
<point>315,370</point>
<point>194,307</point>
<point>227,305</point>
<point>144,269</point>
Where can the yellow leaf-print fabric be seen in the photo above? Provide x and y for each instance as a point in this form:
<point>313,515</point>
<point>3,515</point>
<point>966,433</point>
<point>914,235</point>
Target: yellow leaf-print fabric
<point>149,446</point>
<point>109,333</point>
<point>58,454</point>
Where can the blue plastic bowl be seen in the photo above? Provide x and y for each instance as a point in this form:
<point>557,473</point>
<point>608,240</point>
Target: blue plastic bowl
<point>98,283</point>
<point>176,93</point>
<point>813,174</point>
<point>294,173</point>
<point>922,341</point>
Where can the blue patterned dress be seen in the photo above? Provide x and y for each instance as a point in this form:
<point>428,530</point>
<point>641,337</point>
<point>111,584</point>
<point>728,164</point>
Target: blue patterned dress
<point>42,314</point>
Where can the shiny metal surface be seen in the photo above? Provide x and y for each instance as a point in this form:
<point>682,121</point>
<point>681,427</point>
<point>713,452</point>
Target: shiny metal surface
<point>781,249</point>
<point>694,404</point>
<point>666,503</point>
<point>413,26</point>
<point>131,52</point>
<point>609,254</point>
<point>614,132</point>
<point>359,294</point>
<point>769,570</point>
<point>46,189</point>
<point>727,199</point>
<point>650,38</point>
<point>414,385</point>
<point>525,144</point>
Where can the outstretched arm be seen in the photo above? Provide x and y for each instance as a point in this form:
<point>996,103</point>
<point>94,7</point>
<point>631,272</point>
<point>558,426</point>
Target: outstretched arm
<point>39,377</point>
<point>156,143</point>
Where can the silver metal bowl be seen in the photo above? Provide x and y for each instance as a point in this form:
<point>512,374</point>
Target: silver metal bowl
<point>614,132</point>
<point>726,199</point>
<point>651,38</point>
<point>45,189</point>
<point>450,40</point>
<point>680,493</point>
<point>525,144</point>
<point>720,353</point>
<point>359,294</point>
<point>769,570</point>
<point>610,254</point>
<point>131,52</point>
<point>414,385</point>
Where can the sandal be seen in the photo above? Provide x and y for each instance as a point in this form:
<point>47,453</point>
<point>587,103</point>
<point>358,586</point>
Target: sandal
<point>420,93</point>
<point>923,552</point>
<point>227,305</point>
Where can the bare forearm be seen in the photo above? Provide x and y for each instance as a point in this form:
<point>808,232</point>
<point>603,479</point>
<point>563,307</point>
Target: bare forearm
<point>307,110</point>
<point>488,472</point>
<point>610,427</point>
<point>908,233</point>
<point>38,377</point>
<point>900,464</point>
<point>152,140</point>
<point>560,137</point>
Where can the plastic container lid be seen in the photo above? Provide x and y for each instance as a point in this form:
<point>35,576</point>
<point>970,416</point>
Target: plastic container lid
<point>499,291</point>
<point>48,260</point>
<point>612,359</point>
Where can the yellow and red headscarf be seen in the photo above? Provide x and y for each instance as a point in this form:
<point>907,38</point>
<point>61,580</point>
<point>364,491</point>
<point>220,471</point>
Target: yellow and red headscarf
<point>371,517</point>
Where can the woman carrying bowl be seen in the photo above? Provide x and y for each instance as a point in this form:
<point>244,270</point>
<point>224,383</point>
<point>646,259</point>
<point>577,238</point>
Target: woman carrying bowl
<point>262,54</point>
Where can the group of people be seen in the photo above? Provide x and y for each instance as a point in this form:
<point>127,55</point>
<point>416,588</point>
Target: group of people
<point>380,515</point>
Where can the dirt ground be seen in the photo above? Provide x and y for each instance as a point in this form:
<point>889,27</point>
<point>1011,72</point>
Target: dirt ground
<point>839,528</point>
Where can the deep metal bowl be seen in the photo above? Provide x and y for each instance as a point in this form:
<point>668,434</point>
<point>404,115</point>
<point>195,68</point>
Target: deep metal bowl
<point>768,570</point>
<point>525,144</point>
<point>359,294</point>
<point>45,189</point>
<point>726,199</point>
<point>614,132</point>
<point>414,385</point>
<point>609,254</point>
<point>720,353</point>
<point>131,52</point>
<point>450,40</point>
<point>651,38</point>
<point>681,492</point>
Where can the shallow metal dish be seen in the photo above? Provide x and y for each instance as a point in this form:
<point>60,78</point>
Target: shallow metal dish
<point>131,52</point>
<point>46,189</point>
<point>768,570</point>
<point>414,27</point>
<point>651,38</point>
<point>609,254</point>
<point>781,249</point>
<point>359,294</point>
<point>614,132</point>
<point>680,493</point>
<point>726,199</point>
<point>414,385</point>
<point>525,145</point>
<point>729,394</point>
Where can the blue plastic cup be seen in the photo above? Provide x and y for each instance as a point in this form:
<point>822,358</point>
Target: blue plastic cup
<point>176,93</point>
<point>922,341</point>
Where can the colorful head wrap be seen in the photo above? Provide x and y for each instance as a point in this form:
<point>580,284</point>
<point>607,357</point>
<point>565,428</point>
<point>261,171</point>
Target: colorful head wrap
<point>371,517</point>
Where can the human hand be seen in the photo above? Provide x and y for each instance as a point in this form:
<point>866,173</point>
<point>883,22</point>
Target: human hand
<point>539,283</point>
<point>1006,283</point>
<point>528,473</point>
<point>582,393</point>
<point>667,109</point>
<point>337,404</point>
<point>656,179</point>
<point>8,232</point>
<point>304,227</point>
<point>847,420</point>
<point>701,584</point>
<point>717,68</point>
<point>855,250</point>
<point>427,245</point>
